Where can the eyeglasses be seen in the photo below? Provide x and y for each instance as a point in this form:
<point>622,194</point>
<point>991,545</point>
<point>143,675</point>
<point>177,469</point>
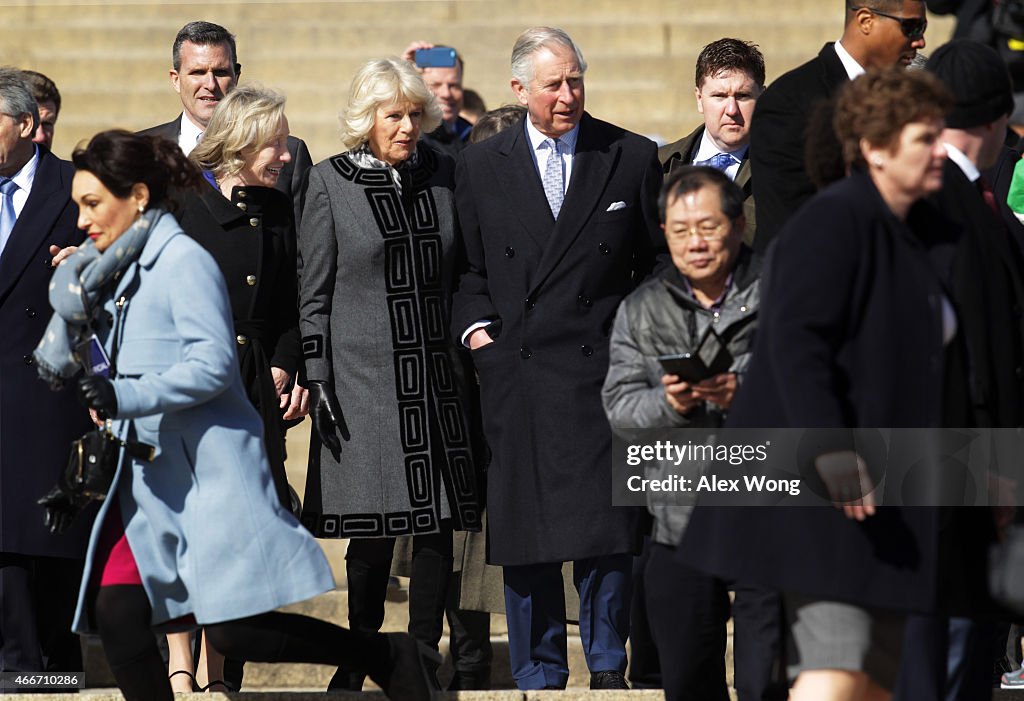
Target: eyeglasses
<point>912,27</point>
<point>710,233</point>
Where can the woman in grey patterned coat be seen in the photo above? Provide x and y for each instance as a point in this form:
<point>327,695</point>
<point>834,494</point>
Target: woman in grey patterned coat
<point>376,247</point>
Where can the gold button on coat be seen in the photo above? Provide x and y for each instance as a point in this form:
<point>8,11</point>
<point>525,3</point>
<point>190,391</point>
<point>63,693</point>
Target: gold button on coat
<point>254,222</point>
<point>242,340</point>
<point>243,206</point>
<point>250,280</point>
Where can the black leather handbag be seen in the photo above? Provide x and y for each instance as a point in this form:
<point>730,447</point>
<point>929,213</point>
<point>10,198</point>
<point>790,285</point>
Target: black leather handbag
<point>91,465</point>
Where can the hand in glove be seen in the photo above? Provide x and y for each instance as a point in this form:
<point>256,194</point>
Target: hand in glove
<point>326,414</point>
<point>60,509</point>
<point>97,393</point>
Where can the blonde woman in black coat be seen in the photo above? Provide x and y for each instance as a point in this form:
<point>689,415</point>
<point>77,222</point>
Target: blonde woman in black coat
<point>248,228</point>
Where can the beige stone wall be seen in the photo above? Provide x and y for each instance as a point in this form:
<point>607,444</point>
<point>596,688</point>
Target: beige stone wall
<point>110,60</point>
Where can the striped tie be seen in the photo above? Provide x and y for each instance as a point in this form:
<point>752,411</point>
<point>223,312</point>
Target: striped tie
<point>7,218</point>
<point>554,184</point>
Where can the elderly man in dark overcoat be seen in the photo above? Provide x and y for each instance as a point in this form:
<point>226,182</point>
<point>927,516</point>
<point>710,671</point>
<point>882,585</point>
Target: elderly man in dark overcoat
<point>559,218</point>
<point>39,571</point>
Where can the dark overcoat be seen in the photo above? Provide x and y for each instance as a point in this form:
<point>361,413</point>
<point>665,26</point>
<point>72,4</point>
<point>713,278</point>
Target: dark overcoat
<point>555,287</point>
<point>252,238</point>
<point>850,336</point>
<point>36,425</point>
<point>294,174</point>
<point>778,129</point>
<point>987,280</point>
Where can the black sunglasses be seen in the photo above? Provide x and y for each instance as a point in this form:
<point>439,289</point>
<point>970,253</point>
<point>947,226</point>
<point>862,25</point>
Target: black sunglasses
<point>912,27</point>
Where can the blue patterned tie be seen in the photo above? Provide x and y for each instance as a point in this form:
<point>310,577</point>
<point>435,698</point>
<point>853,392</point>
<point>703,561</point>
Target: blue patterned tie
<point>720,161</point>
<point>7,218</point>
<point>554,186</point>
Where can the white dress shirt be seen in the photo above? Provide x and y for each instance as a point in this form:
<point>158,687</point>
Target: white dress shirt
<point>188,135</point>
<point>23,179</point>
<point>853,69</point>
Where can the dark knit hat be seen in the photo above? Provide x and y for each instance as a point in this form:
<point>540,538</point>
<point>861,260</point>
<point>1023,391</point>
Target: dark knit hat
<point>978,79</point>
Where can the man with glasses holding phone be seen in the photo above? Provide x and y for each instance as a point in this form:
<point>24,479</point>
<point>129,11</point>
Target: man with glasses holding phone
<point>710,291</point>
<point>877,34</point>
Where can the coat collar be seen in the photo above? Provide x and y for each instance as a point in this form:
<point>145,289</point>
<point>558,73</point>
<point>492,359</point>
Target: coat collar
<point>592,166</point>
<point>745,273</point>
<point>833,73</point>
<point>50,195</point>
<point>165,229</point>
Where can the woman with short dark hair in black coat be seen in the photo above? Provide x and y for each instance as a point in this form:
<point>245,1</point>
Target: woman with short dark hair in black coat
<point>857,331</point>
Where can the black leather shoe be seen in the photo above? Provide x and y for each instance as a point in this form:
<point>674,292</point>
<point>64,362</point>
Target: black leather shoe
<point>608,680</point>
<point>411,674</point>
<point>471,681</point>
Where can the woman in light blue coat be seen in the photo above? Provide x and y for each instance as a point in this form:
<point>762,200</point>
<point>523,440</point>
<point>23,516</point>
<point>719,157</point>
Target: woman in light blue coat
<point>192,532</point>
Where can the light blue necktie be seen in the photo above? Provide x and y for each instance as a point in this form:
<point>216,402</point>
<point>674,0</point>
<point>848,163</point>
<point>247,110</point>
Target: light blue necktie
<point>720,161</point>
<point>554,185</point>
<point>7,217</point>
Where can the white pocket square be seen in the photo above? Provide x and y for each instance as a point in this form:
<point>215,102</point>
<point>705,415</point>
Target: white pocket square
<point>616,206</point>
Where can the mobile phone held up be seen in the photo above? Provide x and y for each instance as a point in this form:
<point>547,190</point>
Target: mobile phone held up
<point>437,57</point>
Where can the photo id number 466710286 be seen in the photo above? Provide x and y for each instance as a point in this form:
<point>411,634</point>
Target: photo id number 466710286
<point>41,680</point>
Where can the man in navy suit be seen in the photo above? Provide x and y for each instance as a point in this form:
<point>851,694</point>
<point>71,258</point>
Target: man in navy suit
<point>559,219</point>
<point>205,69</point>
<point>39,571</point>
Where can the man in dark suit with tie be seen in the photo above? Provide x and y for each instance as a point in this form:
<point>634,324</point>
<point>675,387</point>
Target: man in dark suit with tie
<point>559,220</point>
<point>206,68</point>
<point>730,78</point>
<point>39,571</point>
<point>877,34</point>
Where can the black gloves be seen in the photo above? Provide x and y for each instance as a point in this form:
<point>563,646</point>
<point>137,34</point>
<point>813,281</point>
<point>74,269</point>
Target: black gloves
<point>60,509</point>
<point>97,393</point>
<point>326,414</point>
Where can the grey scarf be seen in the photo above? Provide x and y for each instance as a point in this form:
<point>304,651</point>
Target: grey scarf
<point>77,291</point>
<point>363,157</point>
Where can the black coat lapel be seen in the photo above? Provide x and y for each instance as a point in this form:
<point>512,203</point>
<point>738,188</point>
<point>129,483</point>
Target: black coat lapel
<point>592,166</point>
<point>515,169</point>
<point>46,202</point>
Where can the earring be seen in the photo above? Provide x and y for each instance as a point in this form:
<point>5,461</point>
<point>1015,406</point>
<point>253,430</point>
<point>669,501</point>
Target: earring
<point>877,161</point>
<point>142,208</point>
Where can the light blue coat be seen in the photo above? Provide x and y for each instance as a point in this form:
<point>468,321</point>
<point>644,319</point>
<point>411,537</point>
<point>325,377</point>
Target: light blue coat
<point>205,526</point>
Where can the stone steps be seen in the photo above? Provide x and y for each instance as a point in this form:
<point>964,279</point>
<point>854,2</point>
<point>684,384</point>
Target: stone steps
<point>111,60</point>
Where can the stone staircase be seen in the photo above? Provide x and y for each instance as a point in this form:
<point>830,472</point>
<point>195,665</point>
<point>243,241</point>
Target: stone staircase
<point>111,60</point>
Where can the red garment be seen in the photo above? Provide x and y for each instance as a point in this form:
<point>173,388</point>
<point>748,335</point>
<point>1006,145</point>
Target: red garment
<point>114,560</point>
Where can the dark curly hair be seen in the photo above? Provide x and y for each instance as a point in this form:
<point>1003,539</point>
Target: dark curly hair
<point>876,106</point>
<point>120,159</point>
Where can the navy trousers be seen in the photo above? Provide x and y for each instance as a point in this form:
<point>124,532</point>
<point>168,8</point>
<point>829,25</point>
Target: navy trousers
<point>535,610</point>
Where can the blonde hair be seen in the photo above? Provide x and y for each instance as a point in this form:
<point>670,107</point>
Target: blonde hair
<point>384,81</point>
<point>246,120</point>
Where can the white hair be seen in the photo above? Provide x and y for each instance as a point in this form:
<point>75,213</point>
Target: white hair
<point>534,39</point>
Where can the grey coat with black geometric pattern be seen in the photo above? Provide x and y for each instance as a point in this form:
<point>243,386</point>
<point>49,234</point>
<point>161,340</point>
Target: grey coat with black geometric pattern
<point>376,275</point>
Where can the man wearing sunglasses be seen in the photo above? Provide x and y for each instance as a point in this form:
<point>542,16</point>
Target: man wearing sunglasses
<point>877,34</point>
